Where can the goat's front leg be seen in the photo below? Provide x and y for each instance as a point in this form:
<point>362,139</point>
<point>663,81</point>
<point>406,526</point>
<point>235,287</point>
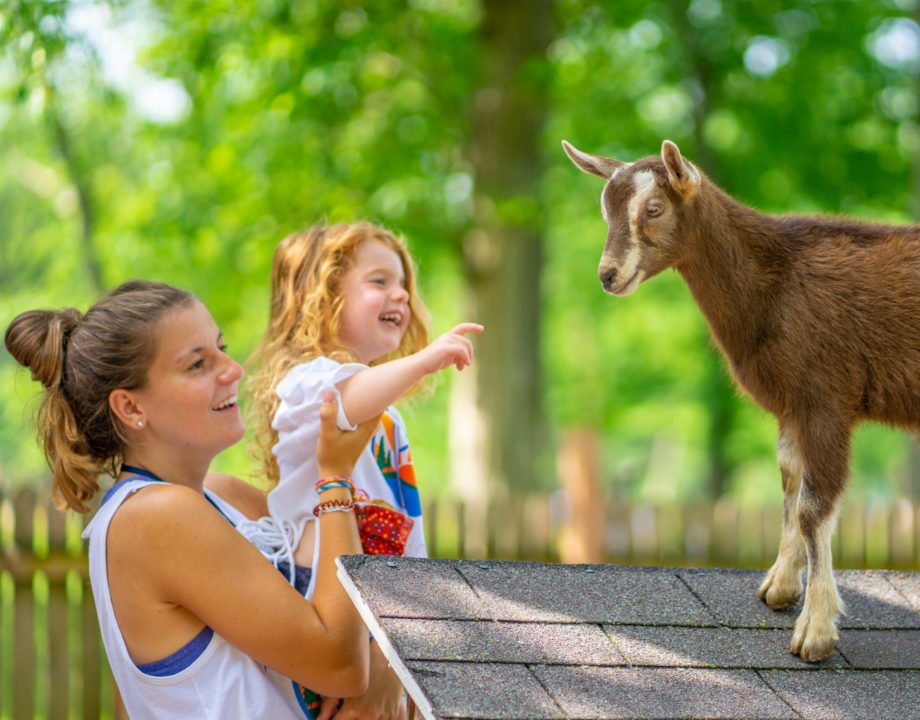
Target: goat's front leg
<point>783,584</point>
<point>825,452</point>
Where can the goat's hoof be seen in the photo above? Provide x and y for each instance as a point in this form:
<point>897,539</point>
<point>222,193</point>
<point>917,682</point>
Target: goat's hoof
<point>813,644</point>
<point>780,600</point>
<point>816,653</point>
<point>778,595</point>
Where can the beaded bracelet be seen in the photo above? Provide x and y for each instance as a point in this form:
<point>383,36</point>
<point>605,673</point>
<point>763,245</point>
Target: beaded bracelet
<point>327,483</point>
<point>334,484</point>
<point>333,506</point>
<point>344,508</point>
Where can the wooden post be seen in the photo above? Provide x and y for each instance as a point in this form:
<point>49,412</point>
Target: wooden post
<point>431,527</point>
<point>59,670</point>
<point>725,531</point>
<point>697,533</point>
<point>582,540</point>
<point>91,653</point>
<point>900,534</point>
<point>917,535</point>
<point>23,612</point>
<point>5,669</point>
<point>538,543</point>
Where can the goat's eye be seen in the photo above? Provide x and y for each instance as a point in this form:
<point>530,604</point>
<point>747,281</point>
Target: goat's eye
<point>655,210</point>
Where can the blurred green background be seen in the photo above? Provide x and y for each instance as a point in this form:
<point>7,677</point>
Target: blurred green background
<point>182,140</point>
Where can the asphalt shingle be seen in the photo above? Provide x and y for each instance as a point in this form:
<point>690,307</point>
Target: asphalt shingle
<point>838,695</point>
<point>881,649</point>
<point>485,690</point>
<point>661,693</point>
<point>708,647</point>
<point>872,601</point>
<point>512,642</point>
<point>516,641</point>
<point>583,593</point>
<point>908,584</point>
<point>731,596</point>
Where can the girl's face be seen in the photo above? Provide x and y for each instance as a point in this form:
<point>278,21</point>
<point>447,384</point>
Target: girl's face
<point>375,309</point>
<point>189,402</point>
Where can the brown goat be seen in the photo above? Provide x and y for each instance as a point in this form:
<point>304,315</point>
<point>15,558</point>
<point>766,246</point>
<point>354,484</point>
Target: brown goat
<point>818,318</point>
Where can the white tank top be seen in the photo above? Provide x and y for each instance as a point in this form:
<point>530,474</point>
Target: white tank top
<point>222,682</point>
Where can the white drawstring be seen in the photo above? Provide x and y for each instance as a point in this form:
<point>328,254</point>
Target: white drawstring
<point>275,539</point>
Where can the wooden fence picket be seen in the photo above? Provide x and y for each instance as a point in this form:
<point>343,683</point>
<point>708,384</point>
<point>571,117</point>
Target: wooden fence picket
<point>58,607</point>
<point>23,608</point>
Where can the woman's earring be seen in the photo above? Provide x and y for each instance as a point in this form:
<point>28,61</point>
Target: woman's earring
<point>140,423</point>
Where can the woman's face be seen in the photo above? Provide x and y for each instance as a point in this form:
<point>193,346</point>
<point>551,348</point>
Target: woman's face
<point>189,402</point>
<point>375,311</point>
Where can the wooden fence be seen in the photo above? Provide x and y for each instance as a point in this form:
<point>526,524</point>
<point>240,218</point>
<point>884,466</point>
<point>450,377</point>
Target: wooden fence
<point>51,660</point>
<point>704,534</point>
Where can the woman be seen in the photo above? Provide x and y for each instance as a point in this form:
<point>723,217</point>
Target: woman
<point>196,623</point>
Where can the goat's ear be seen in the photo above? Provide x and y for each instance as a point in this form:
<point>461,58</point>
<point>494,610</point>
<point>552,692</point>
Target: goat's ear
<point>594,164</point>
<point>684,178</point>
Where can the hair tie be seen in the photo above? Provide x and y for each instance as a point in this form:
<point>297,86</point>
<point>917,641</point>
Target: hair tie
<point>74,317</point>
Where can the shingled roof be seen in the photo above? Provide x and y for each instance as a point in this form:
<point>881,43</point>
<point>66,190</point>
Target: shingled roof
<point>515,640</point>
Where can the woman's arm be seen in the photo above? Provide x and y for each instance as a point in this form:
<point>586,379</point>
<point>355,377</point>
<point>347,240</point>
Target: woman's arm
<point>369,392</point>
<point>176,563</point>
<point>382,699</point>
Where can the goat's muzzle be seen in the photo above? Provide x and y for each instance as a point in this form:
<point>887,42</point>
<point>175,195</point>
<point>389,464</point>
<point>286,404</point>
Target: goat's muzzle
<point>608,278</point>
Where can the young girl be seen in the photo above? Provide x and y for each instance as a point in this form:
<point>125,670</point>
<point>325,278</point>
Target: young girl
<point>345,317</point>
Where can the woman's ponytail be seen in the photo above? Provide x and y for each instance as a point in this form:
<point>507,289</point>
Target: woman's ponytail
<point>80,359</point>
<point>37,340</point>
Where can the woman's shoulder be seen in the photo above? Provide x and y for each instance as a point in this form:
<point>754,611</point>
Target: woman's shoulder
<point>247,498</point>
<point>166,520</point>
<point>158,518</point>
<point>159,502</point>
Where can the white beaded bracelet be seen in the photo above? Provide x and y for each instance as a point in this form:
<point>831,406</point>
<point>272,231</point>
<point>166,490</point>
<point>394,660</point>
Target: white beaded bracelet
<point>344,508</point>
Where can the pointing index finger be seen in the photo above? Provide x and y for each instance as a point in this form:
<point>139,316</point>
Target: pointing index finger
<point>468,327</point>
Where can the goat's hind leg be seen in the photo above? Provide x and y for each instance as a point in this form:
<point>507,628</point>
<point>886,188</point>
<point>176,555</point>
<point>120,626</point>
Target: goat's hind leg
<point>783,584</point>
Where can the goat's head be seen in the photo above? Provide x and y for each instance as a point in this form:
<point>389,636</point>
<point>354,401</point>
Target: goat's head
<point>642,203</point>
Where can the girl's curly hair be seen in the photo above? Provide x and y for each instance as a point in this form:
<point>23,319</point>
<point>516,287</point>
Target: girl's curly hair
<point>305,313</point>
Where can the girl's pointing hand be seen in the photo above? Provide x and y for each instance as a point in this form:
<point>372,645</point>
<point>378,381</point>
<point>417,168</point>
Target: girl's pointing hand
<point>451,348</point>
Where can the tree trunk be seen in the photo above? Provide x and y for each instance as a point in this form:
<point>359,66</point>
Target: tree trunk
<point>79,178</point>
<point>503,257</point>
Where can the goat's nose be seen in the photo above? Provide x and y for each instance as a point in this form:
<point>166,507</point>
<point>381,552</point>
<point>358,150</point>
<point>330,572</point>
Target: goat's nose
<point>607,276</point>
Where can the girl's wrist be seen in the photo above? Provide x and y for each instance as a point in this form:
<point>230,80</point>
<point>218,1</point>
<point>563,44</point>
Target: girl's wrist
<point>329,482</point>
<point>334,482</point>
<point>334,505</point>
<point>337,494</point>
<point>419,365</point>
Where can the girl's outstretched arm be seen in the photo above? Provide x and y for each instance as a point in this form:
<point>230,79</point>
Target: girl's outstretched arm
<point>369,392</point>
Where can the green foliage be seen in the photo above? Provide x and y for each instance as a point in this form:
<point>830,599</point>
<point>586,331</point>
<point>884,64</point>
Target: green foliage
<point>236,123</point>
